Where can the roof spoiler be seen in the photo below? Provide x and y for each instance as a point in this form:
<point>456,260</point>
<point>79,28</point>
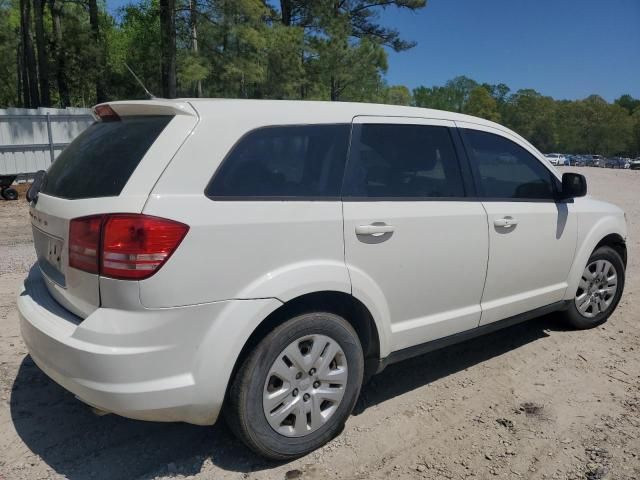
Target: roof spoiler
<point>148,107</point>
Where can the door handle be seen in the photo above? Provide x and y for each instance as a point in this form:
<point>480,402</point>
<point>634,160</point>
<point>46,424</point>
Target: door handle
<point>376,229</point>
<point>505,222</point>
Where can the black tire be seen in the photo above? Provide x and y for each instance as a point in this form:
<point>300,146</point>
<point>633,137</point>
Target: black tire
<point>573,315</point>
<point>244,410</point>
<point>10,194</point>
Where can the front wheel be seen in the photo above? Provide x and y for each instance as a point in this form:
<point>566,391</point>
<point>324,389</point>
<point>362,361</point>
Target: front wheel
<point>295,390</point>
<point>599,290</point>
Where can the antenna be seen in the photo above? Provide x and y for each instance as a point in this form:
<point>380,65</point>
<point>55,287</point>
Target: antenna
<point>149,94</point>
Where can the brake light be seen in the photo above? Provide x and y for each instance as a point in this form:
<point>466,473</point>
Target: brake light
<point>127,246</point>
<point>135,246</point>
<point>84,243</point>
<point>106,113</point>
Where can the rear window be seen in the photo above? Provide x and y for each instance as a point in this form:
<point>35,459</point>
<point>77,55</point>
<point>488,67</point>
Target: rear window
<point>99,162</point>
<point>294,161</point>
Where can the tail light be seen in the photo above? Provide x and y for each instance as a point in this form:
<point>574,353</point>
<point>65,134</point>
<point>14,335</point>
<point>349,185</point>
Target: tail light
<point>84,243</point>
<point>123,246</point>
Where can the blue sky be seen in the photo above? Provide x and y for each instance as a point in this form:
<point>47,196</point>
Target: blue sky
<point>562,48</point>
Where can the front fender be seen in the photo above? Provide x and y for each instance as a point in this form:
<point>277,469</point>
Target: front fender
<point>589,240</point>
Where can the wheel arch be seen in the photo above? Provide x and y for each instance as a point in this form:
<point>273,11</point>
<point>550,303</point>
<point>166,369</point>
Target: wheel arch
<point>340,303</point>
<point>617,242</point>
<point>608,231</point>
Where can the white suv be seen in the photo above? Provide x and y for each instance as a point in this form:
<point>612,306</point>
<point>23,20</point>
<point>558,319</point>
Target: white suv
<point>262,258</point>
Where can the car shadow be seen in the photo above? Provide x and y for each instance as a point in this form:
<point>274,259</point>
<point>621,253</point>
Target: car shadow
<point>402,377</point>
<point>78,444</point>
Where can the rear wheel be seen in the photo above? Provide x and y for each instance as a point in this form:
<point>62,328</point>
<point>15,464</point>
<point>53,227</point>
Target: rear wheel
<point>10,194</point>
<point>298,386</point>
<point>599,290</point>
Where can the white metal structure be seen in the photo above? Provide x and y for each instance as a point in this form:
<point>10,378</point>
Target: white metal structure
<point>30,139</point>
<point>163,333</point>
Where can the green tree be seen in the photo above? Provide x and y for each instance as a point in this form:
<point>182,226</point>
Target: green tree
<point>168,48</point>
<point>346,44</point>
<point>397,95</point>
<point>533,116</point>
<point>604,128</point>
<point>628,103</point>
<point>433,97</point>
<point>500,92</point>
<point>460,89</point>
<point>635,133</point>
<point>10,87</point>
<point>135,42</point>
<point>285,65</point>
<point>453,96</point>
<point>568,129</point>
<point>482,104</point>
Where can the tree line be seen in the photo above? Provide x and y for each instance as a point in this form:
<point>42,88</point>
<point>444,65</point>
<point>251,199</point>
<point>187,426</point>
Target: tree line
<point>75,53</point>
<point>591,125</point>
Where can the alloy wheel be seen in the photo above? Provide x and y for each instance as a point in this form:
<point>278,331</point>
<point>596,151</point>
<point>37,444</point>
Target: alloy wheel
<point>597,288</point>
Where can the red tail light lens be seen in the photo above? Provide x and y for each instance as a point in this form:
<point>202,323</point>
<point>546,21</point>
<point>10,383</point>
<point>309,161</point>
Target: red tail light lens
<point>132,246</point>
<point>84,243</point>
<point>135,246</point>
<point>106,113</point>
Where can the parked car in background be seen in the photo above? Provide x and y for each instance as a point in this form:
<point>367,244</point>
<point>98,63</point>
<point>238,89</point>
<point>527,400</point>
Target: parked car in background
<point>594,161</point>
<point>635,164</point>
<point>556,159</point>
<point>614,163</point>
<point>580,161</point>
<point>627,162</point>
<point>275,265</point>
<point>575,161</point>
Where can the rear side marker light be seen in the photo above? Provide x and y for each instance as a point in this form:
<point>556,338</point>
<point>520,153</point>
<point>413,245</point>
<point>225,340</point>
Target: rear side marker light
<point>126,247</point>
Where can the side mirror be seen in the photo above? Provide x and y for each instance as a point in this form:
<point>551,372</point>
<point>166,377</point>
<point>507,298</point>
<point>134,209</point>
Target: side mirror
<point>573,185</point>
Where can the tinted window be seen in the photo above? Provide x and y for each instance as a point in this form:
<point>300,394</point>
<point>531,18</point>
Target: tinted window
<point>287,161</point>
<point>99,162</point>
<point>506,170</point>
<point>410,161</point>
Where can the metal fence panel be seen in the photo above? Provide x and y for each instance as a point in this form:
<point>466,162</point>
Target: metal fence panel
<point>30,139</point>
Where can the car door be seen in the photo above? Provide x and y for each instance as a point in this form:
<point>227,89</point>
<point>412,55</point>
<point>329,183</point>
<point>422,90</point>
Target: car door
<point>532,236</point>
<point>414,243</point>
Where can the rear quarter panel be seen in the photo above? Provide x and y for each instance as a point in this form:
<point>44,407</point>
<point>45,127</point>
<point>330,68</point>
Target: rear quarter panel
<point>240,249</point>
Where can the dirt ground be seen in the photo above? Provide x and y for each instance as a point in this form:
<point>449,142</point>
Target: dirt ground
<point>533,401</point>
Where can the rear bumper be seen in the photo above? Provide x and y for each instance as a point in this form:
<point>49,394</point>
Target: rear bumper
<point>145,364</point>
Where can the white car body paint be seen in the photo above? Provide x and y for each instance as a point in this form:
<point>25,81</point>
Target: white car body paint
<point>164,348</point>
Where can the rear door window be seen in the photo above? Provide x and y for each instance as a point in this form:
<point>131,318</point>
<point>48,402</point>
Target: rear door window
<point>100,161</point>
<point>403,161</point>
<point>293,161</point>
